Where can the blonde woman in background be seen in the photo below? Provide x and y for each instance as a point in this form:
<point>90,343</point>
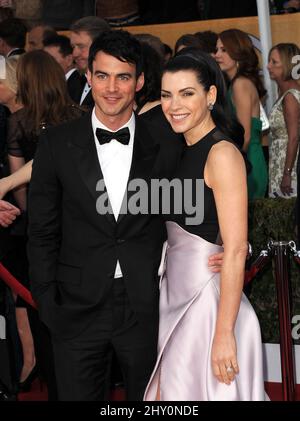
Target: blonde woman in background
<point>284,121</point>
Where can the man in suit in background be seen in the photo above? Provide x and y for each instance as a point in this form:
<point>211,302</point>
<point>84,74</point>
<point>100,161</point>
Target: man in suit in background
<point>12,37</point>
<point>37,34</point>
<point>95,276</point>
<point>59,47</point>
<point>83,32</point>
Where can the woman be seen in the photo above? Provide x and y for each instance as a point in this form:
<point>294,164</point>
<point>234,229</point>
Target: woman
<point>15,259</point>
<point>284,122</point>
<point>46,103</point>
<point>209,336</point>
<point>42,90</point>
<point>238,60</point>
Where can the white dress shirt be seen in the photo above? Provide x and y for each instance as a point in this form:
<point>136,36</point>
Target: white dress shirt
<point>115,162</point>
<point>69,73</point>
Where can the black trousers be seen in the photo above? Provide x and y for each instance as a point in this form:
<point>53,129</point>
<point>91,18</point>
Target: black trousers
<point>82,364</point>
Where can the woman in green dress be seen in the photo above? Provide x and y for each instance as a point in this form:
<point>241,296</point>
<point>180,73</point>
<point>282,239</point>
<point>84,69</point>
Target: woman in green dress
<point>238,60</point>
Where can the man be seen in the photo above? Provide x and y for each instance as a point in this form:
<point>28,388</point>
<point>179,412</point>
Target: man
<point>94,274</point>
<point>37,35</point>
<point>83,32</point>
<point>59,47</point>
<point>12,37</point>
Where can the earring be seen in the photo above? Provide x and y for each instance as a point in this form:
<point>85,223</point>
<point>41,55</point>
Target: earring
<point>210,106</point>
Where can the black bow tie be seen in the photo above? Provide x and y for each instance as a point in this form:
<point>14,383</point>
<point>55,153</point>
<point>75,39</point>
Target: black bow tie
<point>105,136</point>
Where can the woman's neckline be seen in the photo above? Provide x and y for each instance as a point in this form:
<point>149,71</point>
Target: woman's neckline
<point>201,139</point>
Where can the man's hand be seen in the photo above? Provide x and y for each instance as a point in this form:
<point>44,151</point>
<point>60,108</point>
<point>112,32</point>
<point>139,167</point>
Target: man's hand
<point>215,262</point>
<point>8,213</point>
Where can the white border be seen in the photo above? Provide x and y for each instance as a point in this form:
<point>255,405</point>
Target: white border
<point>272,365</point>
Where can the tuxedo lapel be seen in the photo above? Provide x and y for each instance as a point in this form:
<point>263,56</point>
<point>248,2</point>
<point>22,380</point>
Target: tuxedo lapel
<point>88,101</point>
<point>145,151</point>
<point>84,152</point>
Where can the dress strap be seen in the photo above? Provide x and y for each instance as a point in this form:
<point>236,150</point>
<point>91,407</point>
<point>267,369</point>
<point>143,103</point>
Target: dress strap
<point>294,92</point>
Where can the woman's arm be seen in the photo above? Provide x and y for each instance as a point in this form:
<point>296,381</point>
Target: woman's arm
<point>15,163</point>
<point>225,173</point>
<point>21,176</point>
<point>291,112</point>
<point>242,96</point>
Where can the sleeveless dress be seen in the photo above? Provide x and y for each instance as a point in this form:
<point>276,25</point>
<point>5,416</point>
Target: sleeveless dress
<point>278,146</point>
<point>258,177</point>
<point>189,297</point>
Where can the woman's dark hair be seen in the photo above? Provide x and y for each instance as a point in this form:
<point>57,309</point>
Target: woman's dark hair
<point>240,48</point>
<point>208,74</point>
<point>42,89</point>
<point>119,44</point>
<point>153,65</point>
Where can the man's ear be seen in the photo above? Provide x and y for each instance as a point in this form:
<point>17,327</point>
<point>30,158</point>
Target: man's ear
<point>140,82</point>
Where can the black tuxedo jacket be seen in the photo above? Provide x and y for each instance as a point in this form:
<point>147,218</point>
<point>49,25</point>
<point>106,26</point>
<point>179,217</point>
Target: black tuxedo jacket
<point>16,52</point>
<point>88,101</point>
<point>75,85</point>
<point>72,249</point>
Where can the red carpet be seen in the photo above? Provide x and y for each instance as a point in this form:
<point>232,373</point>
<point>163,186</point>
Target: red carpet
<point>38,392</point>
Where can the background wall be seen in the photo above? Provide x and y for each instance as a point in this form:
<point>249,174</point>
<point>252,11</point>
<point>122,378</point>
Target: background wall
<point>285,28</point>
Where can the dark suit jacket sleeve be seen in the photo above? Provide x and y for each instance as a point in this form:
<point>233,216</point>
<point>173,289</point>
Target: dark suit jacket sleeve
<point>44,209</point>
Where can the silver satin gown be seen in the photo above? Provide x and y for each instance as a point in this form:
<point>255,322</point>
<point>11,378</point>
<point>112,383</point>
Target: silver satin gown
<point>189,298</point>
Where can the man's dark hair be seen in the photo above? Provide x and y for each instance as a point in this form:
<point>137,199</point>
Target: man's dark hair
<point>119,44</point>
<point>208,41</point>
<point>168,50</point>
<point>93,25</point>
<point>13,32</point>
<point>62,42</point>
<point>187,40</point>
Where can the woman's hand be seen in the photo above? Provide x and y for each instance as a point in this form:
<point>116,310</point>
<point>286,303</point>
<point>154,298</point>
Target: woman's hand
<point>223,357</point>
<point>8,213</point>
<point>285,185</point>
<point>4,186</point>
